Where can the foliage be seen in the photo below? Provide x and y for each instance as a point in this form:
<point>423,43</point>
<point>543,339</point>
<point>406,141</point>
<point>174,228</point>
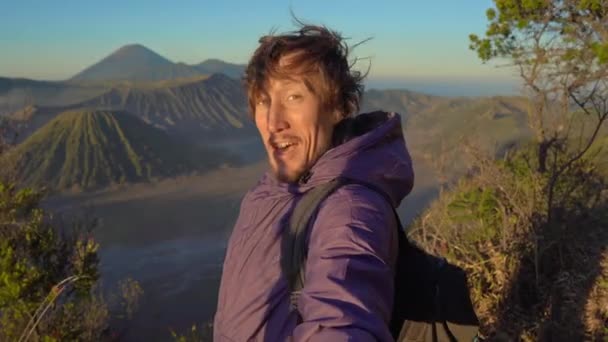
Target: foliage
<point>518,27</point>
<point>560,50</point>
<point>48,276</point>
<point>530,279</point>
<point>130,294</point>
<point>34,259</point>
<point>202,333</point>
<point>532,228</point>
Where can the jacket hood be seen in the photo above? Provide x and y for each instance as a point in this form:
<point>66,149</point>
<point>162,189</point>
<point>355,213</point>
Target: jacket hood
<point>369,147</point>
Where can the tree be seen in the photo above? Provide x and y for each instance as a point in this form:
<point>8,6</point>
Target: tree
<point>560,48</point>
<point>40,268</point>
<point>532,229</point>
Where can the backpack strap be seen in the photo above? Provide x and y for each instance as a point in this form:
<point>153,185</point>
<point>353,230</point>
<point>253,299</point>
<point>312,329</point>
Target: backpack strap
<point>426,317</point>
<point>293,244</point>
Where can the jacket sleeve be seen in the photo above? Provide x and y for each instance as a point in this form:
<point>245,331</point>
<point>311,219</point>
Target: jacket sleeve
<point>348,292</point>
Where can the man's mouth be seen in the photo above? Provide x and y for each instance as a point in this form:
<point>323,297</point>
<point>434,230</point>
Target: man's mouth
<point>280,147</point>
<point>284,145</point>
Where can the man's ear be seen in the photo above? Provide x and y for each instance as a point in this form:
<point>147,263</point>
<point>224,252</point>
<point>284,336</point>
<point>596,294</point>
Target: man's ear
<point>337,116</point>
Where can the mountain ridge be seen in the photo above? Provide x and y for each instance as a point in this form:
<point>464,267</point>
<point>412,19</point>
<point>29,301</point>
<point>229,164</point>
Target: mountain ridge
<point>135,62</point>
<point>202,108</point>
<point>92,148</point>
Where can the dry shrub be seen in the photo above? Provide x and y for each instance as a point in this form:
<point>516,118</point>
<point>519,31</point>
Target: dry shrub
<point>596,307</point>
<point>201,333</point>
<point>531,277</point>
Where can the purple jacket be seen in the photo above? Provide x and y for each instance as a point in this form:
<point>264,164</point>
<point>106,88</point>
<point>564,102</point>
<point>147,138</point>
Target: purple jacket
<point>352,242</point>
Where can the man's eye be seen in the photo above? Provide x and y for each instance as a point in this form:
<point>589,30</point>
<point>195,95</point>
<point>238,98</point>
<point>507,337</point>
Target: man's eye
<point>261,101</point>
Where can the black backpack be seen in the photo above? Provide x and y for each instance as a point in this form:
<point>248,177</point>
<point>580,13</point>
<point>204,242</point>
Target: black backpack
<point>431,301</point>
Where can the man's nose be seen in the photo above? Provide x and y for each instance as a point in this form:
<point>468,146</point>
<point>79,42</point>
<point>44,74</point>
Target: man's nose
<point>276,118</point>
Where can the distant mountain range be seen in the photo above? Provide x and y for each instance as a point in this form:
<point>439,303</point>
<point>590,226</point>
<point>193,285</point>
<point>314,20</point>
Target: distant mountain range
<point>199,109</point>
<point>87,149</point>
<point>213,106</point>
<point>18,93</point>
<point>137,63</point>
<point>202,109</point>
<point>436,124</point>
<point>128,112</point>
<point>133,64</point>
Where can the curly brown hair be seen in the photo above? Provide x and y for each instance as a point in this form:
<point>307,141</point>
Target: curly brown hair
<point>319,56</point>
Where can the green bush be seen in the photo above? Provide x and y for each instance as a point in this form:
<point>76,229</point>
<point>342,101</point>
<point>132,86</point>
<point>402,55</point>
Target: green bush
<point>201,333</point>
<point>48,275</point>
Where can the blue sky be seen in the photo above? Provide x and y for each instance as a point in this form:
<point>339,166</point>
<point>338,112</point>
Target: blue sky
<point>413,41</point>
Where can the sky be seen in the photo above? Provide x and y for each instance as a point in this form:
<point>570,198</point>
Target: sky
<point>413,42</point>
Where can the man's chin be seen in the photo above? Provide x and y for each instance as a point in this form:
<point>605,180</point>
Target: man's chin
<point>287,176</point>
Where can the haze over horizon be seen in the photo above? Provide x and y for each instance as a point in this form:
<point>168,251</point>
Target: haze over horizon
<point>415,45</point>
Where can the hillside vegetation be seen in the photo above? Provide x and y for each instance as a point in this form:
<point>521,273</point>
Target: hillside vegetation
<point>531,228</point>
<point>528,277</point>
<point>86,149</point>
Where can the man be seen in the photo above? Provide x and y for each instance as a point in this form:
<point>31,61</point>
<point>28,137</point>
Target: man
<point>303,96</point>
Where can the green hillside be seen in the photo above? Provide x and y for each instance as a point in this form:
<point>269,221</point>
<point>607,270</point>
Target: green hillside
<point>30,118</point>
<point>404,102</point>
<point>85,149</point>
<point>432,121</point>
<point>599,150</point>
<point>493,123</point>
<point>436,127</point>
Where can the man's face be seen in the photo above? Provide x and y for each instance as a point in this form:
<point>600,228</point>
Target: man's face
<point>293,127</point>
